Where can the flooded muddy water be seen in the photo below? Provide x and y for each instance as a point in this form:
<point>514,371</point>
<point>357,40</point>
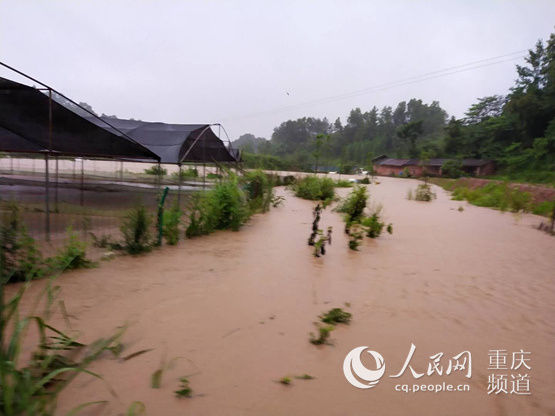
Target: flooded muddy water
<point>232,312</point>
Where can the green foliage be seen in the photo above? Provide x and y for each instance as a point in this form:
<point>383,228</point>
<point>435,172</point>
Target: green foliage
<point>314,188</point>
<point>285,380</point>
<point>72,256</point>
<point>365,180</point>
<point>323,335</point>
<point>353,205</point>
<point>223,207</point>
<point>172,218</point>
<point>32,387</point>
<point>259,190</point>
<point>184,388</point>
<point>185,174</point>
<point>452,169</point>
<point>336,316</point>
<point>342,183</point>
<point>356,223</point>
<point>305,377</point>
<point>156,170</point>
<point>136,230</point>
<point>500,196</point>
<point>544,208</point>
<point>20,259</point>
<point>424,193</point>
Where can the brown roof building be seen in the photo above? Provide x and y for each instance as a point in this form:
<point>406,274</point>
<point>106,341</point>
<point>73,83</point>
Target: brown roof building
<point>386,166</point>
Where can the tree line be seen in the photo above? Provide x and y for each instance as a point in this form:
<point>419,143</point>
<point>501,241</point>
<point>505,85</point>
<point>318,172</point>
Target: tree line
<point>517,130</point>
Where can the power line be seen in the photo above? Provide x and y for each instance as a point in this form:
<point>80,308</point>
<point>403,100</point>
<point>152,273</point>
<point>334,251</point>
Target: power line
<point>482,63</point>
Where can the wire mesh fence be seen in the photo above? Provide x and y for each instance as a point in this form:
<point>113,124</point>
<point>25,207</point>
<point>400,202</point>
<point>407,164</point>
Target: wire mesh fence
<point>90,196</point>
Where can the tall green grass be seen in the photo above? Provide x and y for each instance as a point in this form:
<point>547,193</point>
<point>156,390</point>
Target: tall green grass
<point>493,195</point>
<point>314,188</point>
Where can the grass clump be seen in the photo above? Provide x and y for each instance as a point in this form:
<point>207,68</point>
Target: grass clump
<point>185,173</point>
<point>336,316</point>
<point>342,183</point>
<point>136,231</point>
<point>314,188</point>
<point>494,195</point>
<point>184,389</point>
<point>323,335</point>
<point>223,207</point>
<point>72,256</point>
<point>156,170</point>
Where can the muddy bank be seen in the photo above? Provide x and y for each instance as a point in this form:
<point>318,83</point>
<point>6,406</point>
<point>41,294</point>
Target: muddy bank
<point>235,310</point>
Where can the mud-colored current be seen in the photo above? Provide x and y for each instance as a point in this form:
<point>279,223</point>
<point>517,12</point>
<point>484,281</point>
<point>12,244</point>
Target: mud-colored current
<point>232,311</point>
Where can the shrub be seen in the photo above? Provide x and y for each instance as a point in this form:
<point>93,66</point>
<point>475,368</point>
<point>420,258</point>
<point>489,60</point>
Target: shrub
<point>225,206</point>
<point>336,316</point>
<point>353,205</point>
<point>72,256</point>
<point>356,223</point>
<point>323,335</point>
<point>365,180</point>
<point>314,188</point>
<point>213,176</point>
<point>136,230</point>
<point>424,192</point>
<point>156,170</point>
<point>20,258</point>
<point>259,189</point>
<point>172,218</point>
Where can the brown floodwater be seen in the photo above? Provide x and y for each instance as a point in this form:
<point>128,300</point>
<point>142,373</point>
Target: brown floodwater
<point>232,311</point>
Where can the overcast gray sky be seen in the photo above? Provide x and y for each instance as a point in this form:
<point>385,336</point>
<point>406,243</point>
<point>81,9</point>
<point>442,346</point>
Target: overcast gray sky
<point>253,64</point>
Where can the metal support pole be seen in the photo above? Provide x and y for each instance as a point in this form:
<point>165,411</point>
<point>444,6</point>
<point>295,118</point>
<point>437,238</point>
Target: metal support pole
<point>121,170</point>
<point>46,157</point>
<point>179,187</point>
<point>46,199</point>
<point>204,176</point>
<point>74,169</point>
<point>82,197</point>
<point>11,165</point>
<point>56,189</point>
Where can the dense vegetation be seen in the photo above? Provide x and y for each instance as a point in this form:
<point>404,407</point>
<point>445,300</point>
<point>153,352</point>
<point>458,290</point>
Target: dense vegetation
<point>516,130</point>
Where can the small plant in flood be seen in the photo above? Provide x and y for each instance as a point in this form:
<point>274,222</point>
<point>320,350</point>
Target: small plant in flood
<point>356,222</point>
<point>184,388</point>
<point>72,256</point>
<point>285,380</point>
<point>355,236</point>
<point>305,377</point>
<point>336,316</point>
<point>317,238</point>
<point>136,230</point>
<point>424,192</point>
<point>323,335</point>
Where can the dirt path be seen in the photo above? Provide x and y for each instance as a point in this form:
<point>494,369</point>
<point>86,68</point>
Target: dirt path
<point>236,308</point>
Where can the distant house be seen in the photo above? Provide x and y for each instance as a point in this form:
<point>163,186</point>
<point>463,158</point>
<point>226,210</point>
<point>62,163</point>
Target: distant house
<point>386,166</point>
